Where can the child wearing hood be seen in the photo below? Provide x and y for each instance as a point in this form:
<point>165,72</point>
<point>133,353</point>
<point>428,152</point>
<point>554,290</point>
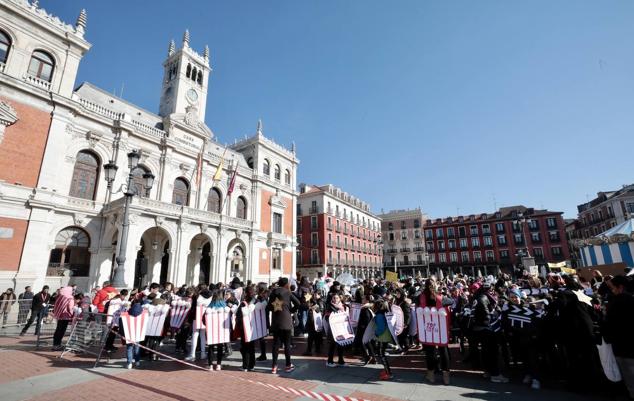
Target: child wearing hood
<point>63,311</point>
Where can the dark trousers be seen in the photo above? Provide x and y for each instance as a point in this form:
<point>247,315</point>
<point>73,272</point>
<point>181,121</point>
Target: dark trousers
<point>110,340</point>
<point>60,330</point>
<point>35,315</point>
<point>403,339</point>
<point>218,349</point>
<point>315,338</point>
<point>430,357</point>
<point>247,350</point>
<point>383,356</point>
<point>490,352</point>
<point>181,339</point>
<point>262,347</point>
<point>332,346</point>
<point>282,337</point>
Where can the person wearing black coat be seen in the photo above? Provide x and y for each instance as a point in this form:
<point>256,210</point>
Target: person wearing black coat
<point>282,303</point>
<point>618,329</point>
<point>39,309</point>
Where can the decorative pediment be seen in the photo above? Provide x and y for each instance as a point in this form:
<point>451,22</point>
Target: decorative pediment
<point>8,116</point>
<point>276,201</point>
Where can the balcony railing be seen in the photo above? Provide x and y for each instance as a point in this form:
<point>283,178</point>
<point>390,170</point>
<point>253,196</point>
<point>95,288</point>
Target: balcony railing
<point>314,210</point>
<point>405,249</point>
<point>39,82</point>
<point>329,226</point>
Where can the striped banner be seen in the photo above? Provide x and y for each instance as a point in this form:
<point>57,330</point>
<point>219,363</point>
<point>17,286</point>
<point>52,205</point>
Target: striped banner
<point>156,319</point>
<point>218,325</point>
<point>180,309</point>
<point>201,306</point>
<point>254,321</point>
<point>433,326</point>
<point>134,327</point>
<point>355,311</point>
<point>395,320</point>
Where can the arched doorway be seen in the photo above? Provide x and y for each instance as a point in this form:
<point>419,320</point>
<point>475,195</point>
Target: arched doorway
<point>200,261</point>
<point>153,257</point>
<point>70,253</point>
<point>236,259</point>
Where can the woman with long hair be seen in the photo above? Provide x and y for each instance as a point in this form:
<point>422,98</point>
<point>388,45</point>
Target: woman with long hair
<point>429,297</point>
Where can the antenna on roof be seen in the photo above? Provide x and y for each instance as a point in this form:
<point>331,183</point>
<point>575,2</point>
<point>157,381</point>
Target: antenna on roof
<point>122,86</point>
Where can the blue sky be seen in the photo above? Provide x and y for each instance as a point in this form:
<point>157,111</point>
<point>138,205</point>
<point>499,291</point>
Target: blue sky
<point>451,106</point>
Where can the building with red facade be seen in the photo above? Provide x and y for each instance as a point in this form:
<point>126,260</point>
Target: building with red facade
<point>336,233</point>
<point>493,242</point>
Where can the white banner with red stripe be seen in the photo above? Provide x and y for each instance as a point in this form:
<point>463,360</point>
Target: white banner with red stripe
<point>179,311</point>
<point>201,307</point>
<point>395,320</point>
<point>218,325</point>
<point>340,328</point>
<point>354,311</point>
<point>254,321</point>
<point>115,309</point>
<point>318,320</point>
<point>134,327</point>
<point>433,326</point>
<point>156,319</point>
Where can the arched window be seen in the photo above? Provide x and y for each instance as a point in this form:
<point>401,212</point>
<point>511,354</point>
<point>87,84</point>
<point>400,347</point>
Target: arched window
<point>138,182</point>
<point>189,70</point>
<point>200,78</point>
<point>241,208</point>
<point>70,252</point>
<point>277,172</point>
<point>5,45</point>
<point>266,168</point>
<point>250,162</point>
<point>287,177</point>
<point>85,174</point>
<point>194,72</point>
<point>180,196</point>
<point>214,201</point>
<point>41,65</point>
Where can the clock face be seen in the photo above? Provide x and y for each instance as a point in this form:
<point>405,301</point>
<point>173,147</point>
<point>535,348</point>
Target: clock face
<point>192,95</point>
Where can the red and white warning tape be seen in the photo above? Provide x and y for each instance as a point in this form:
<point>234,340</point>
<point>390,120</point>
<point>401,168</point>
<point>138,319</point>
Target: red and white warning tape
<point>299,393</point>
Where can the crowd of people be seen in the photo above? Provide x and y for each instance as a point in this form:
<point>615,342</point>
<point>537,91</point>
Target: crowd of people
<point>553,328</point>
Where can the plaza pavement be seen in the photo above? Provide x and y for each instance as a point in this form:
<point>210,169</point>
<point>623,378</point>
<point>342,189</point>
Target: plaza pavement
<point>30,374</point>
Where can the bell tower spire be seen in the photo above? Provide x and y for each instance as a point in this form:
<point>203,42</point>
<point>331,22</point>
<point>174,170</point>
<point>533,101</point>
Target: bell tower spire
<point>185,80</point>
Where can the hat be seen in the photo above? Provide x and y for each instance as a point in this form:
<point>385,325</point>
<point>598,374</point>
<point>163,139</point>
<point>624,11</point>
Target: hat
<point>516,292</point>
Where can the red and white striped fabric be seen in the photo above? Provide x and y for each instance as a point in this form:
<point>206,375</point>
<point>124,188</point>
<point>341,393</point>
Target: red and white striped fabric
<point>218,325</point>
<point>201,307</point>
<point>254,321</point>
<point>134,327</point>
<point>354,311</point>
<point>433,326</point>
<point>306,393</point>
<point>179,311</point>
<point>340,329</point>
<point>156,319</point>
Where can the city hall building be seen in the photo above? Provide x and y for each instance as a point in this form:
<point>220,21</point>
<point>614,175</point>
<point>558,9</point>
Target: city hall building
<point>67,153</point>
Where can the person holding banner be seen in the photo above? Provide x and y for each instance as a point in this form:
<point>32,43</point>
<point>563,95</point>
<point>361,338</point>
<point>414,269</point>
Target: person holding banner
<point>314,324</point>
<point>383,336</point>
<point>430,298</point>
<point>334,306</point>
<point>198,325</point>
<point>247,348</point>
<point>263,296</point>
<point>217,302</point>
<point>133,351</point>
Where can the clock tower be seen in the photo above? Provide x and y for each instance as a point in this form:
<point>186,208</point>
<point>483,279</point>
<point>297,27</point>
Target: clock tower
<point>185,79</point>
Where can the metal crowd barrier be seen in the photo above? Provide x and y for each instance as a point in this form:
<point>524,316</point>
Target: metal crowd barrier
<point>13,316</point>
<point>87,334</point>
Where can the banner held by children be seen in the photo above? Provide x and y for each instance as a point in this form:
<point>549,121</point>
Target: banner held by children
<point>156,319</point>
<point>218,325</point>
<point>134,327</point>
<point>180,309</point>
<point>340,328</point>
<point>433,326</point>
<point>354,311</point>
<point>254,321</point>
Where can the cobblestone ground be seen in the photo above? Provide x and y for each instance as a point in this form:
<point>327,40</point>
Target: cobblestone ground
<point>39,374</point>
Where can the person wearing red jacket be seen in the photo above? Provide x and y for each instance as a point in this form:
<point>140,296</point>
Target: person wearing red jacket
<point>63,312</point>
<point>105,294</point>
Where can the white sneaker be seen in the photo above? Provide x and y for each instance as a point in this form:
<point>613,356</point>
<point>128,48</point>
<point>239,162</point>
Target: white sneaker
<point>189,358</point>
<point>499,379</point>
<point>527,379</point>
<point>536,385</point>
<point>129,366</point>
<point>331,365</point>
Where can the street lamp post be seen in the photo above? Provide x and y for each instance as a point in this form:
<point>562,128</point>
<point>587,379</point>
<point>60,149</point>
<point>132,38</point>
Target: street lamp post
<point>118,281</point>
